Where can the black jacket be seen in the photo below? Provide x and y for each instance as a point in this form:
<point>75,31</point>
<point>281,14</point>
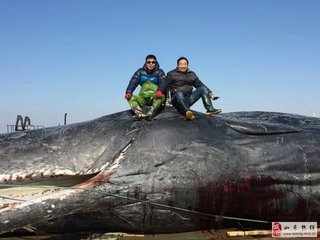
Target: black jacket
<point>178,81</point>
<point>142,75</point>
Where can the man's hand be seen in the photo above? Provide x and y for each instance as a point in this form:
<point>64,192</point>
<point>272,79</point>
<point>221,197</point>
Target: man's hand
<point>128,96</point>
<point>213,97</point>
<point>159,94</point>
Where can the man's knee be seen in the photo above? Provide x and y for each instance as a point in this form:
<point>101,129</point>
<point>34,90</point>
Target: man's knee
<point>179,96</point>
<point>133,102</point>
<point>203,90</point>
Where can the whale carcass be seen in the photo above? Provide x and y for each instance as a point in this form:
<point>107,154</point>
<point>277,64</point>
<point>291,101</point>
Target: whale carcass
<point>166,175</point>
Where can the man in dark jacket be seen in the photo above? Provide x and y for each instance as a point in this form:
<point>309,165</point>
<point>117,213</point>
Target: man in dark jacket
<point>151,78</point>
<point>181,82</point>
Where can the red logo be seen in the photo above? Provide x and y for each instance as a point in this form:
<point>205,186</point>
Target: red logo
<point>276,229</point>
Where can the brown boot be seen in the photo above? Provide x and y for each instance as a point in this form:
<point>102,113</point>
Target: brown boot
<point>190,116</point>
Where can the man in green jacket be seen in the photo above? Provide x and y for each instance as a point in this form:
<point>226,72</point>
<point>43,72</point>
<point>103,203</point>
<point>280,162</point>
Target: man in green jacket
<point>151,78</point>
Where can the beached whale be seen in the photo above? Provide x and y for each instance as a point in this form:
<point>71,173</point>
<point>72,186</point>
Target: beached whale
<point>166,175</point>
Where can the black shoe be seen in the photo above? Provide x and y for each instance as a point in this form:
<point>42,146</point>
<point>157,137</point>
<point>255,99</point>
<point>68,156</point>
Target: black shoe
<point>214,112</point>
<point>208,106</point>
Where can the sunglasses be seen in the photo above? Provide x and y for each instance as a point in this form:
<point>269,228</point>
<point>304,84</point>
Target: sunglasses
<point>151,62</point>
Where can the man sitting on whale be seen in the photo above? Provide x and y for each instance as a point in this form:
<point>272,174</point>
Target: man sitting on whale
<point>181,81</point>
<point>153,84</point>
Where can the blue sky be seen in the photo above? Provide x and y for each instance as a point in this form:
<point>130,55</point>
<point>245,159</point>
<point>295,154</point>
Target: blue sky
<point>77,56</point>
